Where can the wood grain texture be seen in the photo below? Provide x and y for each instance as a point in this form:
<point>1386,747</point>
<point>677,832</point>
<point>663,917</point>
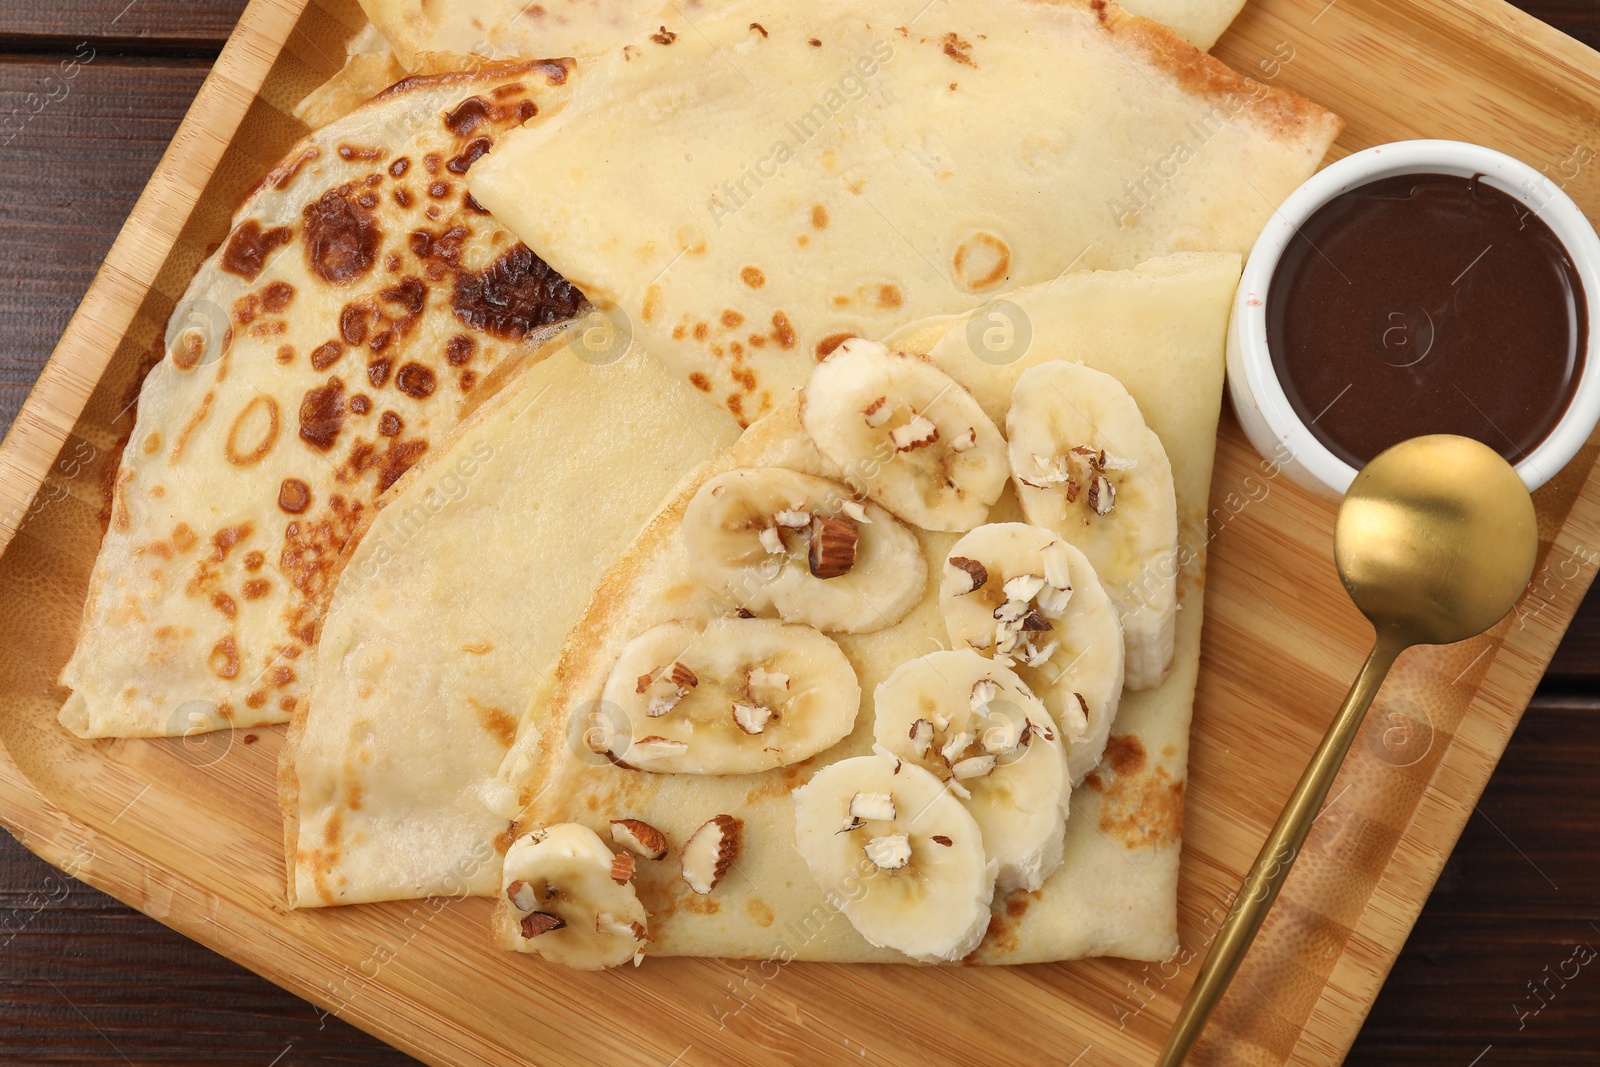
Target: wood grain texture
<point>1366,833</point>
<point>159,27</point>
<point>1576,667</point>
<point>76,145</point>
<point>1518,897</point>
<point>85,980</point>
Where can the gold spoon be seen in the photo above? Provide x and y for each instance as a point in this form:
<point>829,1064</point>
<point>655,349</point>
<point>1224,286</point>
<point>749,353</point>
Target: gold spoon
<point>1435,541</point>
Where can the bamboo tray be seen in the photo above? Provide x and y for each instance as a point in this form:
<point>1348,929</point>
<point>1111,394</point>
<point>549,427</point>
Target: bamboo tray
<point>189,833</point>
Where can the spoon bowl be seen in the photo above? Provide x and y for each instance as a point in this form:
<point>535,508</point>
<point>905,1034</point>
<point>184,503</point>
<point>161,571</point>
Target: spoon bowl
<point>1434,542</point>
<point>1436,539</point>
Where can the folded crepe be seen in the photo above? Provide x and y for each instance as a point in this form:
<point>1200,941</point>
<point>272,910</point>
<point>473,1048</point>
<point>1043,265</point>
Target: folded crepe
<point>507,28</point>
<point>338,332</point>
<point>817,171</point>
<point>1159,330</point>
<point>370,66</point>
<point>453,602</point>
<point>503,28</point>
<point>1200,22</point>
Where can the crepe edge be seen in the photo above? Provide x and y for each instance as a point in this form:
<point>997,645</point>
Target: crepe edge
<point>1198,73</point>
<point>495,391</point>
<point>78,714</point>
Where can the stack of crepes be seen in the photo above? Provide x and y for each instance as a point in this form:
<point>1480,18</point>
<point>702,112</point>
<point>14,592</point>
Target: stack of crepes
<point>735,490</point>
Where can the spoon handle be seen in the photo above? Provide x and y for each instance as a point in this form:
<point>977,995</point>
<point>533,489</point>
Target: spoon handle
<point>1261,885</point>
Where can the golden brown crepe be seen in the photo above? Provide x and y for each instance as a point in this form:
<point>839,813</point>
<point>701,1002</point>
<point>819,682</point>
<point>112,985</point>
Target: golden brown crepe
<point>815,171</point>
<point>454,600</point>
<point>504,28</point>
<point>334,337</point>
<point>370,66</point>
<point>1159,329</point>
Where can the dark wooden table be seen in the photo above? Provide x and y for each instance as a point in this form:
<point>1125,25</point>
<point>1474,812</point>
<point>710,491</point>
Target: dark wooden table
<point>1496,972</point>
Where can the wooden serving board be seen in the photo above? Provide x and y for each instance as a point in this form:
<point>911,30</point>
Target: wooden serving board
<point>188,831</point>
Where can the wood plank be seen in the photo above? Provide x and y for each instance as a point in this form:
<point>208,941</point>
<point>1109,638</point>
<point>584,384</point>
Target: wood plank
<point>70,170</point>
<point>1577,18</point>
<point>1533,999</point>
<point>1524,852</point>
<point>87,980</point>
<point>1517,897</point>
<point>192,26</point>
<point>1577,661</point>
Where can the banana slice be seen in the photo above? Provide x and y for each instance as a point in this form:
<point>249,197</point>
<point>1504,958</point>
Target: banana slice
<point>1027,599</point>
<point>971,722</point>
<point>778,541</point>
<point>900,855</point>
<point>738,696</point>
<point>1087,467</point>
<point>908,433</point>
<point>573,899</point>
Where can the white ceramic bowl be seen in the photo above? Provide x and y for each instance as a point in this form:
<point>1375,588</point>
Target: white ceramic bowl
<point>1258,397</point>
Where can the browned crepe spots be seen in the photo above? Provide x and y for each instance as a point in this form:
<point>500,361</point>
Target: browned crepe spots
<point>1141,806</point>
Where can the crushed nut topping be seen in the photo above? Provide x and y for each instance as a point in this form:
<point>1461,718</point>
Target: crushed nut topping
<point>1058,471</point>
<point>541,922</point>
<point>973,767</point>
<point>1049,472</point>
<point>751,718</point>
<point>655,746</point>
<point>833,546</point>
<point>1033,657</point>
<point>522,895</point>
<point>1011,611</point>
<point>856,511</point>
<point>640,838</point>
<point>663,704</point>
<point>1023,587</point>
<point>761,678</point>
<point>977,572</point>
<point>1102,495</point>
<point>955,746</point>
<point>918,433</point>
<point>710,851</point>
<point>1057,566</point>
<point>1053,601</point>
<point>889,853</point>
<point>872,806</point>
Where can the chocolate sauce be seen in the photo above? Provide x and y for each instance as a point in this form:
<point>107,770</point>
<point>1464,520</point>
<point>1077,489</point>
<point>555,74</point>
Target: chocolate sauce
<point>1426,303</point>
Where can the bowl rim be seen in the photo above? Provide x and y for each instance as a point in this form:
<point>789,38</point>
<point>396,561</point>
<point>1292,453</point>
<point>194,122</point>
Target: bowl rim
<point>1543,196</point>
